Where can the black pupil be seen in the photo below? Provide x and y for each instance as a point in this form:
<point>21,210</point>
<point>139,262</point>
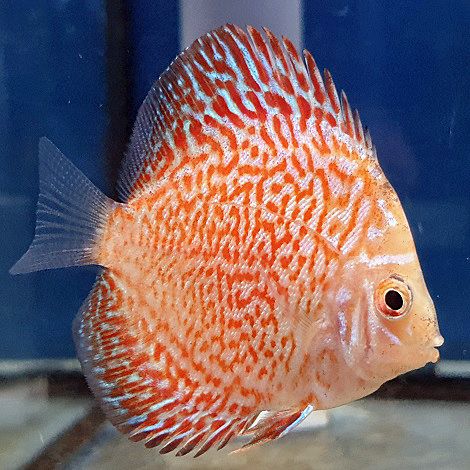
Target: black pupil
<point>394,300</point>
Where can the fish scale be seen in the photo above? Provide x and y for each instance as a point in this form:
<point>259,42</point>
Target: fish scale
<point>247,268</point>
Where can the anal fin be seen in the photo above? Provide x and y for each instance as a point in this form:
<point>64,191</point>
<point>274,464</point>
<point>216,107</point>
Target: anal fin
<point>118,359</point>
<point>275,425</point>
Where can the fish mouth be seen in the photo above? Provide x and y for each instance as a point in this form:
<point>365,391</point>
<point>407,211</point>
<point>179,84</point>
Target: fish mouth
<point>434,355</point>
<point>437,341</point>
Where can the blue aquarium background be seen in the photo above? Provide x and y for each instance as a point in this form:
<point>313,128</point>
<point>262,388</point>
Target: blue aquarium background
<point>76,72</point>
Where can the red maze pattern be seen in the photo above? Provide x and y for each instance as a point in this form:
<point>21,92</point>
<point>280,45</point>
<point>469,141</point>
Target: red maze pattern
<point>255,182</point>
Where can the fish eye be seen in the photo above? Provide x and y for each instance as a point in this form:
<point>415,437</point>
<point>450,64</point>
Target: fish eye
<point>393,298</point>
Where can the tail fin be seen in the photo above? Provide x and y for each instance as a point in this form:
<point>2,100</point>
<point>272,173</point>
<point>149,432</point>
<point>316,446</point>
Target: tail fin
<point>71,213</point>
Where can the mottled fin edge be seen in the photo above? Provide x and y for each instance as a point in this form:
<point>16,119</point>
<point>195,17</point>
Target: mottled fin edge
<point>102,333</point>
<point>107,347</point>
<point>266,58</point>
<point>70,215</point>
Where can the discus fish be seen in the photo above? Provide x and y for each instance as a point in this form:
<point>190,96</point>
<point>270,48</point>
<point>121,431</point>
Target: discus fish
<point>259,259</point>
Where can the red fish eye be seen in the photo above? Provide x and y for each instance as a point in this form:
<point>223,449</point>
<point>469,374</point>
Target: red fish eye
<point>393,298</point>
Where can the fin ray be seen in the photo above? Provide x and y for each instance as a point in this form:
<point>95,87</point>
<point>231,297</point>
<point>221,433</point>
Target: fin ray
<point>275,425</point>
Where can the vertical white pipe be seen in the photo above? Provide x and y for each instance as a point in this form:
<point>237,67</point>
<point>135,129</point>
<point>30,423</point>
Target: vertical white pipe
<point>283,17</point>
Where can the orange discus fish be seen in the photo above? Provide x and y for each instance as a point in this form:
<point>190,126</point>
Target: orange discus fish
<point>260,261</point>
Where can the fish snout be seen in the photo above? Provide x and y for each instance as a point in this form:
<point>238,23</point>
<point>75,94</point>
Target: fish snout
<point>437,341</point>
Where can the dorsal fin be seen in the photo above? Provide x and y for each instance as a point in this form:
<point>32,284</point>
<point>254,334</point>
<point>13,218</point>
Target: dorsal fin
<point>236,79</point>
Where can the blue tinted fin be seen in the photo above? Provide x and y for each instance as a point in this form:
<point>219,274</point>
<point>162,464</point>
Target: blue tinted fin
<point>71,212</point>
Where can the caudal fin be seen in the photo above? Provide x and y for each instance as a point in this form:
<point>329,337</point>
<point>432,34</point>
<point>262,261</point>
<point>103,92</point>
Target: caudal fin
<point>71,213</point>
